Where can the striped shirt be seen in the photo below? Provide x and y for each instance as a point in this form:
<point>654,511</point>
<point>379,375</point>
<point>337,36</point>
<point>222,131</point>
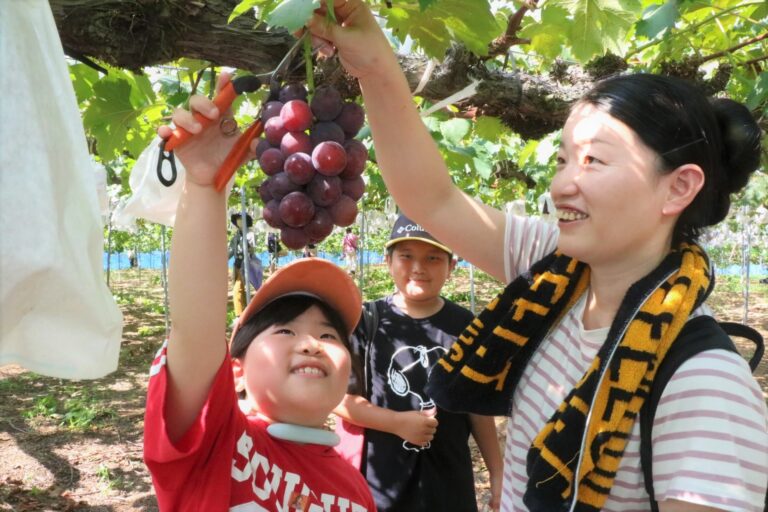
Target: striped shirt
<point>710,435</point>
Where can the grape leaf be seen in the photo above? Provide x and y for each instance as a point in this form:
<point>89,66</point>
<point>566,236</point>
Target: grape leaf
<point>663,17</point>
<point>115,122</point>
<point>483,167</point>
<point>489,128</point>
<point>292,14</point>
<point>241,8</point>
<point>549,36</point>
<point>759,92</point>
<point>443,22</point>
<point>455,129</point>
<point>83,77</point>
<point>599,25</point>
<point>527,152</point>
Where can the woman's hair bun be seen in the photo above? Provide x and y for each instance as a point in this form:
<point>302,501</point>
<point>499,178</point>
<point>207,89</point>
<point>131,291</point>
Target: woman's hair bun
<point>741,141</point>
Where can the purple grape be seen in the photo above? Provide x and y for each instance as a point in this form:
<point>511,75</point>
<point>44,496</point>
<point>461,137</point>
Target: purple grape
<point>296,209</point>
<point>281,185</point>
<point>351,118</point>
<point>324,190</point>
<point>357,154</point>
<point>295,142</point>
<point>326,131</point>
<point>272,161</point>
<point>326,103</point>
<point>274,131</point>
<point>270,110</point>
<point>271,214</point>
<point>354,188</point>
<point>344,211</point>
<point>293,238</point>
<point>296,116</point>
<point>261,146</point>
<point>320,226</point>
<point>264,192</point>
<point>329,158</point>
<point>293,91</point>
<point>299,168</point>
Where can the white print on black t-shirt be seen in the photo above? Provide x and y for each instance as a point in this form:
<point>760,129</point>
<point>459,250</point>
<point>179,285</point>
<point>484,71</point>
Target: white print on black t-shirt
<point>268,479</point>
<point>409,363</point>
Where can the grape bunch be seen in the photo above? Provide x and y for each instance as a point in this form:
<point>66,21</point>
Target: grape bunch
<point>313,163</point>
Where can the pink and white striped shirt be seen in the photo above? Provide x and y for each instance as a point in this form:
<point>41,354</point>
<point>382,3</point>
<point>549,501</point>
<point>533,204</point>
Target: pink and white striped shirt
<point>710,435</point>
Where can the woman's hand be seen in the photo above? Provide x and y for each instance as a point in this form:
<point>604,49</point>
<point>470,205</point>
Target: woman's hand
<point>363,49</point>
<point>203,154</point>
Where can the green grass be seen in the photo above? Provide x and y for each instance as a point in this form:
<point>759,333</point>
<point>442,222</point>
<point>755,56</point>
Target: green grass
<point>147,331</point>
<point>78,412</point>
<point>734,284</point>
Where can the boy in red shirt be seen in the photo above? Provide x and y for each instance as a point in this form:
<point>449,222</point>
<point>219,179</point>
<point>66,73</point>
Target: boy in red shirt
<point>289,356</point>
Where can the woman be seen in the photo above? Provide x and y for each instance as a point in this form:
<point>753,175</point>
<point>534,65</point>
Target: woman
<point>645,163</point>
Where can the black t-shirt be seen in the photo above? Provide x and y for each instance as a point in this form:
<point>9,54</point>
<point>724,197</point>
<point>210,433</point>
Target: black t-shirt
<point>403,477</point>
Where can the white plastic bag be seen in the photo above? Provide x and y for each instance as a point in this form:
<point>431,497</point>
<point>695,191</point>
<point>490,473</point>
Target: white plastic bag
<point>150,199</point>
<point>57,317</point>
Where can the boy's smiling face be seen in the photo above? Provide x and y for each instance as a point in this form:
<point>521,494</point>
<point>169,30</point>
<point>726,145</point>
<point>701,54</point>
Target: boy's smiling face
<point>297,372</point>
<point>419,269</point>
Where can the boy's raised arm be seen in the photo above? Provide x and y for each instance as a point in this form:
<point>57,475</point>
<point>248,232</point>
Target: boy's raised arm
<point>198,270</point>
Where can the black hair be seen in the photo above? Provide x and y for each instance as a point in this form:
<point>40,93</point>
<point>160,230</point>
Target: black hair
<point>284,310</point>
<point>683,126</point>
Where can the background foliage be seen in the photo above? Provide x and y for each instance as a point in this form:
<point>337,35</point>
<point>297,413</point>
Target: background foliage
<point>721,43</point>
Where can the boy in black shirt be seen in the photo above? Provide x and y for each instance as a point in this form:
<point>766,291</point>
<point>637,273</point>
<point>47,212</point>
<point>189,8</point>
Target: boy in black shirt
<point>416,456</point>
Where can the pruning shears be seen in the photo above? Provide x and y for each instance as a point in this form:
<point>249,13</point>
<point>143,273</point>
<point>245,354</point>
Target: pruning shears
<point>223,101</point>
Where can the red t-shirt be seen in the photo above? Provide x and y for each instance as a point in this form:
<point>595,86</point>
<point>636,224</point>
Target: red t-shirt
<point>228,462</point>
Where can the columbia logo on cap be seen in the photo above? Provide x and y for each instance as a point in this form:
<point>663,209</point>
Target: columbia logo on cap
<point>406,229</point>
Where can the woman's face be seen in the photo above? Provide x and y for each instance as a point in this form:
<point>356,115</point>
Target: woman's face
<point>608,192</point>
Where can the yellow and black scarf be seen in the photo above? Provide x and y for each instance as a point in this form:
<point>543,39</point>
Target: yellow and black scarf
<point>480,373</point>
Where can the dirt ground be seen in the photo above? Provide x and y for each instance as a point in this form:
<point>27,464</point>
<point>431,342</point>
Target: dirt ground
<point>77,446</point>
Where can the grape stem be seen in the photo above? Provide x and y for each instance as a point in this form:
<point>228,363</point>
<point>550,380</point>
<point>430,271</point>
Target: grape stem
<point>309,66</point>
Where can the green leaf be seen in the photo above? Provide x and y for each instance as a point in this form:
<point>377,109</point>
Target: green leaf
<point>549,36</point>
<point>482,167</point>
<point>489,128</point>
<point>243,7</point>
<point>455,129</point>
<point>663,17</point>
<point>759,92</point>
<point>292,14</point>
<point>599,25</point>
<point>445,21</point>
<point>83,77</point>
<point>526,153</point>
<point>115,122</point>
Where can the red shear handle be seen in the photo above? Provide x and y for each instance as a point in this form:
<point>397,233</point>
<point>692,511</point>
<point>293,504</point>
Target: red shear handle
<point>223,100</point>
<point>237,155</point>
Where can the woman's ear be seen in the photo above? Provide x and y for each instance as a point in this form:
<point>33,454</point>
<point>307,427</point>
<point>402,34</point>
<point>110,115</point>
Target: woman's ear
<point>239,374</point>
<point>686,182</point>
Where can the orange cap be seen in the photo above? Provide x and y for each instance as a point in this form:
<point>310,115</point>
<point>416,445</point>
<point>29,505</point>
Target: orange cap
<point>315,277</point>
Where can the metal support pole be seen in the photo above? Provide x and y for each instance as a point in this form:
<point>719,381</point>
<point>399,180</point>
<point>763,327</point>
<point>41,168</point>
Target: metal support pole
<point>244,242</point>
<point>109,241</point>
<point>165,280</point>
<point>472,288</point>
<point>746,246</point>
<point>362,247</point>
